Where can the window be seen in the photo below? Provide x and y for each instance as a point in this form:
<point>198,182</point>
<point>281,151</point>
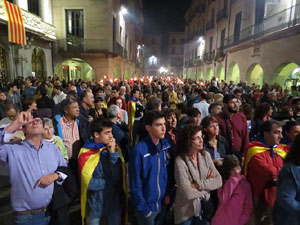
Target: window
<point>182,41</point>
<point>222,38</point>
<point>153,41</point>
<point>33,7</point>
<point>173,41</point>
<point>74,20</point>
<point>121,32</point>
<point>173,51</point>
<point>126,39</point>
<point>196,50</point>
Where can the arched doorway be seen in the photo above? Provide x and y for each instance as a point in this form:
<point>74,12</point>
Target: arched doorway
<point>74,69</point>
<point>200,75</point>
<point>233,73</point>
<point>283,73</point>
<point>255,74</point>
<point>209,74</point>
<point>127,74</point>
<point>3,70</point>
<point>221,72</point>
<point>117,71</point>
<point>38,64</point>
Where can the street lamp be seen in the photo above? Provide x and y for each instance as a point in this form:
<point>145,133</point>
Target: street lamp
<point>123,10</point>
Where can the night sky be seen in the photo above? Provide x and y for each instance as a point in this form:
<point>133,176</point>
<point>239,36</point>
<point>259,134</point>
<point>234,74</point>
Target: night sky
<point>164,15</point>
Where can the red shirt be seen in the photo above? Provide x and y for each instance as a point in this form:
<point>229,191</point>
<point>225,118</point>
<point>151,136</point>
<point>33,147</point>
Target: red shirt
<point>234,129</point>
<point>262,168</point>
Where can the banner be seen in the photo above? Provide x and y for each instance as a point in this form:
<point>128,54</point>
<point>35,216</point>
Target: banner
<point>16,28</point>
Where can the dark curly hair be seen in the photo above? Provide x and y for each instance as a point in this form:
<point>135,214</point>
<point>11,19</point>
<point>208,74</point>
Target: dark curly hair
<point>184,139</point>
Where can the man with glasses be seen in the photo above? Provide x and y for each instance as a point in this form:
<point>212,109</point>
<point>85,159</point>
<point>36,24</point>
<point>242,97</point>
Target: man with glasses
<point>32,166</point>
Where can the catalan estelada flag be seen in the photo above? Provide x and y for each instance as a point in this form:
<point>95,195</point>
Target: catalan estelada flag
<point>16,28</point>
<point>88,159</point>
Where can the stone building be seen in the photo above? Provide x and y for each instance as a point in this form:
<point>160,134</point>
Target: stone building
<point>35,58</point>
<point>98,38</point>
<point>153,55</point>
<point>172,53</point>
<point>251,40</point>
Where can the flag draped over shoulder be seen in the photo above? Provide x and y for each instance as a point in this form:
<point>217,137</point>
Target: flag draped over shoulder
<point>131,115</point>
<point>256,147</point>
<point>88,159</point>
<point>16,28</point>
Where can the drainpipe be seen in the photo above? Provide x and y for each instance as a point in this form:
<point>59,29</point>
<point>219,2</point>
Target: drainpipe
<point>228,33</point>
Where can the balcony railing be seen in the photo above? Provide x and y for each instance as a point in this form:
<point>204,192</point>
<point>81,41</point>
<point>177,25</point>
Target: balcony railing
<point>222,14</point>
<point>32,23</point>
<point>233,1</point>
<point>208,56</point>
<point>210,25</point>
<point>75,44</point>
<point>287,18</point>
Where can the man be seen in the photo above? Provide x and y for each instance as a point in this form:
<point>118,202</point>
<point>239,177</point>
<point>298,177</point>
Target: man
<point>193,117</point>
<point>296,108</point>
<point>202,106</point>
<point>29,91</point>
<point>101,166</point>
<point>173,99</point>
<point>86,103</point>
<point>59,95</point>
<point>233,126</point>
<point>272,100</point>
<point>122,92</point>
<point>291,130</point>
<point>67,127</point>
<point>264,159</point>
<point>115,96</point>
<point>32,165</point>
<point>135,114</point>
<point>13,96</point>
<point>147,170</point>
<point>119,130</point>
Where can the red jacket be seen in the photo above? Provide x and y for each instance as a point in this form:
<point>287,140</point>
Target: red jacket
<point>234,130</point>
<point>260,170</point>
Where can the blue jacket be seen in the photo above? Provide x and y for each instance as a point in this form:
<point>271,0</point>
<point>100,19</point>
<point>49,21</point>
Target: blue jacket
<point>286,210</point>
<point>148,174</point>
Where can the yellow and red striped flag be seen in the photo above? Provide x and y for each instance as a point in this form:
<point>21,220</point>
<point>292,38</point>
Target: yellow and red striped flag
<point>16,28</point>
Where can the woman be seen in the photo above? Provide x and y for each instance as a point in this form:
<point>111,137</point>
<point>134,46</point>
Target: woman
<point>98,110</point>
<point>235,197</point>
<point>214,143</point>
<point>286,210</point>
<point>123,113</point>
<point>261,114</point>
<point>195,176</point>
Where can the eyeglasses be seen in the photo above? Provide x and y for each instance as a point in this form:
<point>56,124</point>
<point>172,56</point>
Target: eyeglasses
<point>197,139</point>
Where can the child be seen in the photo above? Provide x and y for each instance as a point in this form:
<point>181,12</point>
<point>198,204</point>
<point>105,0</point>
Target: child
<point>235,197</point>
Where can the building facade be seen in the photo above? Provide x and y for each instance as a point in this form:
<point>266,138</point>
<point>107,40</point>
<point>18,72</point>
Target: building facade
<point>98,39</point>
<point>172,53</point>
<point>250,40</point>
<point>153,54</point>
<point>35,58</point>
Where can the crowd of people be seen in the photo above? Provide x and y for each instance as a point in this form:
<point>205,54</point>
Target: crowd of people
<point>151,151</point>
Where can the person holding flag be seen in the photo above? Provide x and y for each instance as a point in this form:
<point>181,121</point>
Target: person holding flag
<point>264,159</point>
<point>102,176</point>
<point>135,114</point>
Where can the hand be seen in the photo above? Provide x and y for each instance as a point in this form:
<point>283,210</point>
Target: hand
<point>218,162</point>
<point>211,174</point>
<point>111,146</point>
<point>149,214</point>
<point>22,119</point>
<point>167,199</point>
<point>90,119</point>
<point>46,180</point>
<point>195,185</point>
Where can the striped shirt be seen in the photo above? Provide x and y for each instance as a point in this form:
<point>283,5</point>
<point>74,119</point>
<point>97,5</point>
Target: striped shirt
<point>70,134</point>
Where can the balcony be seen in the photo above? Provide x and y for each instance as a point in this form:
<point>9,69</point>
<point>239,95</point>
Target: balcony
<point>220,54</point>
<point>76,44</point>
<point>32,23</point>
<point>233,1</point>
<point>210,1</point>
<point>222,14</point>
<point>208,57</point>
<point>280,21</point>
<point>210,25</point>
